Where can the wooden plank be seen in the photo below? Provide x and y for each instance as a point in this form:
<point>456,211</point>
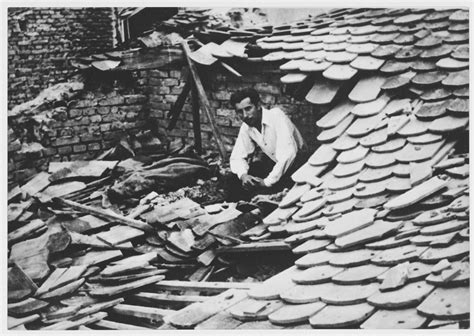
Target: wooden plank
<point>109,215</point>
<point>179,103</point>
<point>128,264</point>
<point>154,314</point>
<point>61,277</point>
<point>112,325</point>
<point>114,290</point>
<point>64,290</point>
<point>201,286</point>
<point>199,312</point>
<point>25,231</point>
<point>254,247</point>
<point>96,257</point>
<point>196,119</point>
<point>160,298</point>
<point>204,101</point>
<point>66,325</point>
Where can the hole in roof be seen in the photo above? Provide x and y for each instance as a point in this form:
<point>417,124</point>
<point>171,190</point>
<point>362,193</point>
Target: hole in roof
<point>401,322</point>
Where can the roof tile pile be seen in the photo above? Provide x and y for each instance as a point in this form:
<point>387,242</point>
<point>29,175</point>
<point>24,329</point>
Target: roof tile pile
<point>379,215</point>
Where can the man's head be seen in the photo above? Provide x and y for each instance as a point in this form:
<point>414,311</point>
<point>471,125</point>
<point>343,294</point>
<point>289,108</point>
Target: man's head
<point>247,105</point>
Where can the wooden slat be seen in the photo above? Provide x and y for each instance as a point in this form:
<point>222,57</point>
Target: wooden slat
<point>196,119</point>
<point>106,324</point>
<point>166,297</point>
<point>66,325</point>
<point>255,247</point>
<point>110,216</point>
<point>201,286</point>
<point>178,105</point>
<point>155,314</point>
<point>204,101</point>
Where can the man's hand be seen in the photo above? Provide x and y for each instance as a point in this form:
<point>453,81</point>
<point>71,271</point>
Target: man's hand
<point>250,182</point>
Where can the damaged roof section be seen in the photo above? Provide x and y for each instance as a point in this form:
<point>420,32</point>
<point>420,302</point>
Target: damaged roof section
<point>378,217</point>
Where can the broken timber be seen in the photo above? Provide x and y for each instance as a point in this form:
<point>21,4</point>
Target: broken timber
<point>110,216</point>
<point>178,105</point>
<point>204,101</point>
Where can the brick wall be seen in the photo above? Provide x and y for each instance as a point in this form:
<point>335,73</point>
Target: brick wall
<point>165,86</point>
<point>108,108</point>
<point>41,39</point>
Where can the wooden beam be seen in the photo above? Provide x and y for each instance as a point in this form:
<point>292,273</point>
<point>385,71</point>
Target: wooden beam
<point>202,286</point>
<point>204,101</point>
<point>165,297</point>
<point>178,105</point>
<point>108,215</point>
<point>156,314</point>
<point>106,324</point>
<point>255,247</point>
<point>196,120</point>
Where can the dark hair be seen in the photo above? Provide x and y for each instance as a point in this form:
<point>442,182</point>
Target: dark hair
<point>240,95</point>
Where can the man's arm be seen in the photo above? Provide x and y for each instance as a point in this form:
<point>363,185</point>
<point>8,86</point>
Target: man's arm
<point>286,149</point>
<point>243,147</point>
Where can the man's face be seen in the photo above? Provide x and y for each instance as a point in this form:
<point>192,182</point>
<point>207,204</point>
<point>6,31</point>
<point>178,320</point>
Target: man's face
<point>249,113</point>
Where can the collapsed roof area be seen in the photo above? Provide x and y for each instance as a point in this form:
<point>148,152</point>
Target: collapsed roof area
<point>377,220</point>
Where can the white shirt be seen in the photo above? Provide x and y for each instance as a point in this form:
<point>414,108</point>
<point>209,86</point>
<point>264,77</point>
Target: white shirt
<point>280,140</point>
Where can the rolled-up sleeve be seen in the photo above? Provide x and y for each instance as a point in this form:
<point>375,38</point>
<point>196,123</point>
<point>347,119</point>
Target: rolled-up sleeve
<point>243,147</point>
<point>285,151</point>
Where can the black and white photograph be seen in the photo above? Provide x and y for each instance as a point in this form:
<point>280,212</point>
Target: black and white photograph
<point>254,169</point>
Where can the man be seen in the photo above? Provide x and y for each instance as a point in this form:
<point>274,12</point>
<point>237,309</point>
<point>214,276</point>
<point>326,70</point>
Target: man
<point>270,132</point>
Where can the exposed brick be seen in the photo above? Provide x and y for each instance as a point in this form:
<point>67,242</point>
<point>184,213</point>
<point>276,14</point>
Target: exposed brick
<point>94,146</point>
<point>65,141</point>
<point>90,137</point>
<point>65,150</point>
<point>112,101</point>
<point>135,99</point>
<point>79,148</point>
<point>73,113</point>
<point>156,114</point>
<point>170,82</point>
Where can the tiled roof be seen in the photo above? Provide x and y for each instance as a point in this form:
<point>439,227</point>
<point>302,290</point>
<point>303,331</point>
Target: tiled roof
<point>379,215</point>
